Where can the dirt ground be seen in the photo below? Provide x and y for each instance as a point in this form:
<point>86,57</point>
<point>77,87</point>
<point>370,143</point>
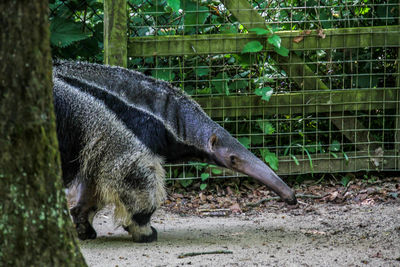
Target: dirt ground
<point>318,234</point>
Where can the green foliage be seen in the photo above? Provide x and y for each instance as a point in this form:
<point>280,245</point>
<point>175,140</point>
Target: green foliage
<point>266,126</point>
<point>335,146</point>
<point>283,51</point>
<point>203,186</point>
<point>265,93</point>
<point>244,141</point>
<point>270,158</point>
<point>249,72</point>
<point>76,29</point>
<point>275,40</point>
<point>259,31</point>
<point>345,180</point>
<point>65,32</point>
<point>204,176</point>
<point>174,4</point>
<point>195,15</point>
<point>252,47</point>
<point>163,74</point>
<point>202,70</point>
<point>185,182</point>
<point>296,161</point>
<point>220,83</point>
<point>216,171</point>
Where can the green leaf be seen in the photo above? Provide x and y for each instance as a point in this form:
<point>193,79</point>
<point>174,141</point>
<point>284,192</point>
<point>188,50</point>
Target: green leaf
<point>202,70</point>
<point>228,29</point>
<point>346,157</point>
<point>203,186</point>
<point>245,59</point>
<point>220,83</point>
<point>204,91</point>
<point>216,171</point>
<point>257,139</point>
<point>149,60</point>
<point>270,158</point>
<point>362,10</point>
<point>204,176</point>
<point>195,14</point>
<point>276,29</point>
<point>334,155</point>
<point>245,141</point>
<point>259,31</point>
<point>265,93</point>
<point>65,32</point>
<point>311,148</point>
<point>335,146</point>
<point>198,165</point>
<point>239,84</point>
<point>252,47</point>
<point>266,127</point>
<point>275,40</point>
<point>186,182</point>
<point>283,51</point>
<point>309,159</point>
<point>324,18</point>
<point>174,4</point>
<point>163,74</point>
<point>156,9</point>
<point>295,159</point>
<point>345,181</point>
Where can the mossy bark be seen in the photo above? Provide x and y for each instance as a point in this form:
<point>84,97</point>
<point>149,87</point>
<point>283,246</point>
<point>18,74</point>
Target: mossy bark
<point>35,228</point>
<point>115,33</point>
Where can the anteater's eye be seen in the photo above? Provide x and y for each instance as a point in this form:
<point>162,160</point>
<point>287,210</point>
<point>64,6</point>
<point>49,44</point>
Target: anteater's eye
<point>233,160</point>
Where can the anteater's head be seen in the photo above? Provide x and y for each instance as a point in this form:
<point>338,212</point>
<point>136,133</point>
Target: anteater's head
<point>227,152</point>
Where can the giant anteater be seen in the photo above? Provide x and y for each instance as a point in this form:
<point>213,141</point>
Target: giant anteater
<point>116,127</point>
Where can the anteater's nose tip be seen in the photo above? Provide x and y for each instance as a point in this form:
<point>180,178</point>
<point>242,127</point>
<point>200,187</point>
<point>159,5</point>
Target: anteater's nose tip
<point>292,201</point>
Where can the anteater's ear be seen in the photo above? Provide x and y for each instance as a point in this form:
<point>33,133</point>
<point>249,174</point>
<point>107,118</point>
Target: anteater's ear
<point>212,142</point>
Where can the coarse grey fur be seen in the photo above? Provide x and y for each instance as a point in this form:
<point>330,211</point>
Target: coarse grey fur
<point>181,115</point>
<point>122,162</point>
<point>111,154</point>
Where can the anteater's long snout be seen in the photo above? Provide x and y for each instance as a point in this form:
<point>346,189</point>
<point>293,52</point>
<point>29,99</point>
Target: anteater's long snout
<point>261,172</point>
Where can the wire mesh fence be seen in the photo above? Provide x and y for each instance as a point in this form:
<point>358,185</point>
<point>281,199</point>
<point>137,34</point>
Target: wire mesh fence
<point>334,102</point>
<point>77,29</point>
<point>309,86</point>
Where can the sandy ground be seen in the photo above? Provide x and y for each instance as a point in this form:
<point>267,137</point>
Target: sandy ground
<point>315,235</point>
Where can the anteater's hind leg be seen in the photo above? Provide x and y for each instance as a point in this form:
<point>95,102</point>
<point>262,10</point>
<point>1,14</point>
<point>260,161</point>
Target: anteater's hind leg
<point>85,210</point>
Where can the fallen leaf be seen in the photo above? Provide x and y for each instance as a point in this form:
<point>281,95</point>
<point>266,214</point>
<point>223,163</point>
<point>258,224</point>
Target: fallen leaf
<point>321,33</point>
<point>368,202</point>
<point>333,196</point>
<point>229,191</point>
<point>203,198</point>
<point>175,195</point>
<point>307,32</point>
<point>298,39</point>
<point>235,208</point>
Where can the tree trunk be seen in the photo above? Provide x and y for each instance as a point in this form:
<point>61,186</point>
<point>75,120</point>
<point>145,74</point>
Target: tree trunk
<point>35,228</point>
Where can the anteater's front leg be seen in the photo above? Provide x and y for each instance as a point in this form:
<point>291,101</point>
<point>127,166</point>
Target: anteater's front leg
<point>85,210</point>
<point>141,197</point>
<point>140,228</point>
